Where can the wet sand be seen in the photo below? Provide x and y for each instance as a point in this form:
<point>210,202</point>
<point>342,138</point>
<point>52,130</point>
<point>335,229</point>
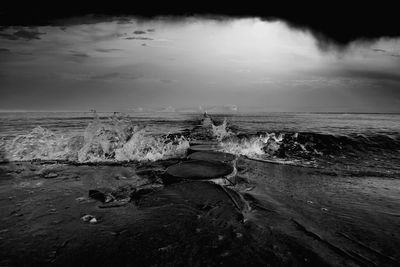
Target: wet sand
<point>259,214</point>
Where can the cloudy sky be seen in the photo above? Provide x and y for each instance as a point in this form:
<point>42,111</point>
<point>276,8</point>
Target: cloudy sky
<point>118,64</point>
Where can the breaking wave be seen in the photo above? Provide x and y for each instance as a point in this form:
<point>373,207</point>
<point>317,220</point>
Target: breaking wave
<point>40,143</point>
<point>115,140</point>
<point>253,146</point>
<point>221,131</point>
<point>308,147</point>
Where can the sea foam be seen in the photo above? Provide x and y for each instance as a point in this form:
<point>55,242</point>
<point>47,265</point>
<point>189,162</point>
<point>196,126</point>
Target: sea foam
<point>114,140</point>
<point>266,144</point>
<point>221,131</point>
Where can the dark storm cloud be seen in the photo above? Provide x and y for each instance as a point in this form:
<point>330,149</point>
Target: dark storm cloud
<point>124,20</point>
<point>330,22</point>
<point>78,19</point>
<point>151,30</point>
<point>4,50</point>
<point>8,36</point>
<point>28,35</point>
<point>22,34</point>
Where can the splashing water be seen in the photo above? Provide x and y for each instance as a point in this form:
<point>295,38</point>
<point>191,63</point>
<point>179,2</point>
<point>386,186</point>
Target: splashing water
<point>221,131</point>
<point>115,140</point>
<point>102,139</point>
<point>40,143</point>
<point>261,145</point>
<point>141,147</point>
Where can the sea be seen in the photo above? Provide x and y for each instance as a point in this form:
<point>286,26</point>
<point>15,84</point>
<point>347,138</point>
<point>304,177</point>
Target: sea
<point>352,143</point>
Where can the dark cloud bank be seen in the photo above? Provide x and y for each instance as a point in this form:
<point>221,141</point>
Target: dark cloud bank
<point>21,34</point>
<point>334,22</point>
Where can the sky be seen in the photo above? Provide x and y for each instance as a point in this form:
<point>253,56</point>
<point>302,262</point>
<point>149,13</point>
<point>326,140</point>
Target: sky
<point>125,63</point>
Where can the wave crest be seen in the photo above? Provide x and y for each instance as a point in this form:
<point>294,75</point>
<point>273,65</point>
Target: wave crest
<point>266,144</point>
<point>40,143</point>
<point>310,146</point>
<point>115,140</point>
<point>221,131</point>
<point>140,147</point>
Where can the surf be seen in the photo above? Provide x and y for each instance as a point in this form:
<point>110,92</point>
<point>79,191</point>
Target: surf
<point>113,140</point>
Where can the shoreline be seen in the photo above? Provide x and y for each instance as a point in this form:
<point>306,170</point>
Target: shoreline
<point>45,215</point>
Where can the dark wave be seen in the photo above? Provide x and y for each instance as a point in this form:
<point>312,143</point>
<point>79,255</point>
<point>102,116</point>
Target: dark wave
<point>327,144</point>
<point>312,145</point>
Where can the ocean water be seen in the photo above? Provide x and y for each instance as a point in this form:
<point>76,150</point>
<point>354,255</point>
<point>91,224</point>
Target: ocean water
<point>355,143</point>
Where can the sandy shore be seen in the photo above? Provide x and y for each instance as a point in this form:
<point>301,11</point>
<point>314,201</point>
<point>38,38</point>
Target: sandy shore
<point>273,215</point>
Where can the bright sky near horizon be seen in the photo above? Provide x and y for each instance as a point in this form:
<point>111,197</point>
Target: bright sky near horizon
<point>119,64</point>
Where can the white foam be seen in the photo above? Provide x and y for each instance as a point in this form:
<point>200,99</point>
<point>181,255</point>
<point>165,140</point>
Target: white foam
<point>141,147</point>
<point>114,140</point>
<point>255,146</point>
<point>40,143</point>
<point>221,131</point>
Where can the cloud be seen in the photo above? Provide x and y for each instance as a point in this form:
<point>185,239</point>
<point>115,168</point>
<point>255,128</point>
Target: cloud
<point>372,75</point>
<point>389,53</point>
<point>25,53</point>
<point>115,75</point>
<point>124,20</point>
<point>22,34</point>
<point>151,30</point>
<point>121,34</point>
<point>139,32</point>
<point>81,55</point>
<point>74,19</point>
<point>4,50</point>
<point>108,50</point>
<point>379,50</point>
<point>29,35</point>
<point>8,36</point>
<point>138,38</point>
<point>106,76</point>
<point>78,57</point>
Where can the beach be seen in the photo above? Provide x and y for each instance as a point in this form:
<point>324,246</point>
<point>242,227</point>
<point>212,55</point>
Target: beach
<point>201,191</point>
